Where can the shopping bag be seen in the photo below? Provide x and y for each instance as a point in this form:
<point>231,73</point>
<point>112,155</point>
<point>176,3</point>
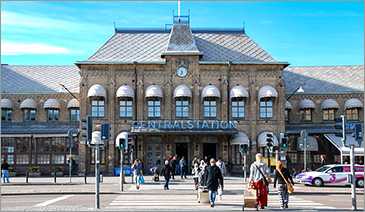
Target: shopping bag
<point>220,193</point>
<point>290,188</point>
<point>142,180</point>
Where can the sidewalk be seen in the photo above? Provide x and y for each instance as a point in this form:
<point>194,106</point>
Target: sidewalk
<point>232,185</point>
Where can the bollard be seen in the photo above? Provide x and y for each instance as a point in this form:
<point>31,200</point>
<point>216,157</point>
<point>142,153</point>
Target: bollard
<point>85,178</point>
<point>26,176</point>
<point>55,172</point>
<point>101,178</point>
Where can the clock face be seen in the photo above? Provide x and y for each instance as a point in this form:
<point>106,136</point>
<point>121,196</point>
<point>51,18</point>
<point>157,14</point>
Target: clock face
<point>182,72</point>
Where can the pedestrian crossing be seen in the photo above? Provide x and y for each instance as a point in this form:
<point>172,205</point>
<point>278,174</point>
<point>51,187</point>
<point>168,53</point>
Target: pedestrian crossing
<point>189,202</point>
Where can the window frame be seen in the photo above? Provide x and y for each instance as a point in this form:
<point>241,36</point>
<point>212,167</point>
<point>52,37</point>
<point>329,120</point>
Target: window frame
<point>98,106</point>
<point>77,114</point>
<point>6,116</point>
<point>102,155</point>
<point>29,118</point>
<point>328,115</point>
<point>53,115</point>
<point>181,106</point>
<point>305,115</point>
<point>266,107</point>
<point>126,106</point>
<point>352,114</point>
<point>154,106</point>
<point>235,109</point>
<point>287,115</point>
<point>210,107</point>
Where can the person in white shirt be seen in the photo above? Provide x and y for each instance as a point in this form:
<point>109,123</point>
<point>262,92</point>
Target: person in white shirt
<point>221,165</point>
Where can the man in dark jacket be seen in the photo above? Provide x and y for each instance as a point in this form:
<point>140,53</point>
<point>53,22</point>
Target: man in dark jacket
<point>166,172</point>
<point>213,179</point>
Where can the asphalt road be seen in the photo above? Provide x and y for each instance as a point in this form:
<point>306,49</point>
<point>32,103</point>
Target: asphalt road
<point>169,202</point>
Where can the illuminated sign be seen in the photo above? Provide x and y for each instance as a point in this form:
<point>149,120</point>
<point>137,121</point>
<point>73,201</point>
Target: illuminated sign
<point>184,124</point>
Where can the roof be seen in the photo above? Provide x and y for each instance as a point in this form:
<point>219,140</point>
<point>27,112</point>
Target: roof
<point>147,45</point>
<point>38,79</point>
<point>324,79</point>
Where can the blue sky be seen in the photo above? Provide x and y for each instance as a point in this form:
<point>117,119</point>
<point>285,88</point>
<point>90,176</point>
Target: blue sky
<point>301,33</point>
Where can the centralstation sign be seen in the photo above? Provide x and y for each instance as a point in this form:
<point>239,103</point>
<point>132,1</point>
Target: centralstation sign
<point>185,124</point>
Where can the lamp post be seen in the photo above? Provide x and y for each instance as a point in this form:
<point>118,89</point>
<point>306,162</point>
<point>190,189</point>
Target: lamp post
<point>62,90</point>
<point>299,89</point>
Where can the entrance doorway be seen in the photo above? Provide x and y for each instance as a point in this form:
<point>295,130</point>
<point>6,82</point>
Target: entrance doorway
<point>210,150</point>
<point>182,149</point>
<point>154,153</point>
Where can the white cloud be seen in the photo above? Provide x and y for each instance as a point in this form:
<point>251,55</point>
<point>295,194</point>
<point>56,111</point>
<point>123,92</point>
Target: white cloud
<point>12,48</point>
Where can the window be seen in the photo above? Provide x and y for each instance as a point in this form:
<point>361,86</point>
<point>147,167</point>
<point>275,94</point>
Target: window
<point>182,108</point>
<point>306,115</point>
<point>210,107</point>
<point>102,155</point>
<point>22,159</point>
<point>43,159</point>
<point>58,145</point>
<point>98,108</point>
<point>154,108</point>
<point>29,115</point>
<point>75,114</point>
<point>58,159</point>
<point>286,115</point>
<point>328,114</point>
<point>335,169</point>
<point>125,108</point>
<point>266,110</point>
<point>238,108</point>
<point>352,114</point>
<point>317,158</point>
<point>53,114</point>
<point>6,115</point>
<point>292,157</point>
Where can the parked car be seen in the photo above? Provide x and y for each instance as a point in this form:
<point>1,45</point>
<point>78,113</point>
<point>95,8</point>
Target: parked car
<point>334,174</point>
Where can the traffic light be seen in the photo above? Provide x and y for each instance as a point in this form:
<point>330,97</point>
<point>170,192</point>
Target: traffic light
<point>105,132</point>
<point>248,146</point>
<point>283,140</point>
<point>358,134</point>
<point>270,141</point>
<point>132,148</point>
<point>88,127</point>
<point>340,124</point>
<point>241,148</point>
<point>70,139</point>
<point>120,143</point>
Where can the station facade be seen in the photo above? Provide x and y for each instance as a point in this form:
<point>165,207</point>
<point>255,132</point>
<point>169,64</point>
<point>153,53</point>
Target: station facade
<point>191,92</point>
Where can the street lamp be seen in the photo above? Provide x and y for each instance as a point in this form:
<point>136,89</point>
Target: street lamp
<point>62,90</point>
<point>299,89</point>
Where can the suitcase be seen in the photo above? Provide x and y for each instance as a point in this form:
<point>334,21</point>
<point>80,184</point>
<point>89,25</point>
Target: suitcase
<point>203,195</point>
<point>250,198</point>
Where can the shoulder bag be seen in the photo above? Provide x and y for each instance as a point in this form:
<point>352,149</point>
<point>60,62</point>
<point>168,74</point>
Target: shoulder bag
<point>289,185</point>
<point>267,180</point>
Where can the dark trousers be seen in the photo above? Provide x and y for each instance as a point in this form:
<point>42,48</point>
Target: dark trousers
<point>167,179</point>
<point>183,172</point>
<point>173,173</point>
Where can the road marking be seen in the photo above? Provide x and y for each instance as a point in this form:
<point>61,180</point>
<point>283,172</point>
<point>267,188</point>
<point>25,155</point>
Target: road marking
<point>48,202</point>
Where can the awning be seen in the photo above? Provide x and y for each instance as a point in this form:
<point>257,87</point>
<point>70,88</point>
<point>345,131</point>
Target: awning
<point>345,151</point>
<point>353,103</point>
<point>96,90</point>
<point>211,91</point>
<point>261,139</point>
<point>267,91</point>
<point>52,103</point>
<point>28,103</point>
<point>330,104</point>
<point>125,91</point>
<point>238,91</point>
<point>140,131</point>
<point>7,104</point>
<point>182,91</point>
<point>288,106</point>
<point>239,138</point>
<point>154,91</point>
<point>306,104</point>
<point>73,103</point>
<point>312,144</point>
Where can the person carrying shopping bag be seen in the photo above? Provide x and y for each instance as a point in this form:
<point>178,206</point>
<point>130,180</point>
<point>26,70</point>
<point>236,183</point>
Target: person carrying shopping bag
<point>137,172</point>
<point>213,179</point>
<point>282,176</point>
<point>258,172</point>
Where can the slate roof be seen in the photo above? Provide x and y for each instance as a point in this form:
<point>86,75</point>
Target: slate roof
<point>38,79</point>
<point>324,79</point>
<point>217,45</point>
<point>181,39</point>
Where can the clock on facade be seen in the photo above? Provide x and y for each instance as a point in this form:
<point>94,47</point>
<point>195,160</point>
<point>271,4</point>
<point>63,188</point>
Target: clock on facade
<point>182,72</point>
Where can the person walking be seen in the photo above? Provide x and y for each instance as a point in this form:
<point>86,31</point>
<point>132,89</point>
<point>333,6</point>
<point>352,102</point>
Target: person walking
<point>195,173</point>
<point>182,164</point>
<point>222,166</point>
<point>280,173</point>
<point>257,171</point>
<point>166,172</point>
<point>202,167</point>
<point>137,172</point>
<point>173,164</point>
<point>177,167</point>
<point>194,162</point>
<point>213,179</point>
<point>72,165</point>
<point>323,160</point>
<point>5,171</point>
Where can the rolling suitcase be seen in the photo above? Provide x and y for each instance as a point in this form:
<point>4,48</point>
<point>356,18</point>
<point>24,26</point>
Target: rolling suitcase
<point>250,198</point>
<point>203,195</point>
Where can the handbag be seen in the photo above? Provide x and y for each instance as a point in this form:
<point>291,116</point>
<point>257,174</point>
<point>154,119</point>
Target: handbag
<point>267,180</point>
<point>142,180</point>
<point>220,193</point>
<point>290,187</point>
